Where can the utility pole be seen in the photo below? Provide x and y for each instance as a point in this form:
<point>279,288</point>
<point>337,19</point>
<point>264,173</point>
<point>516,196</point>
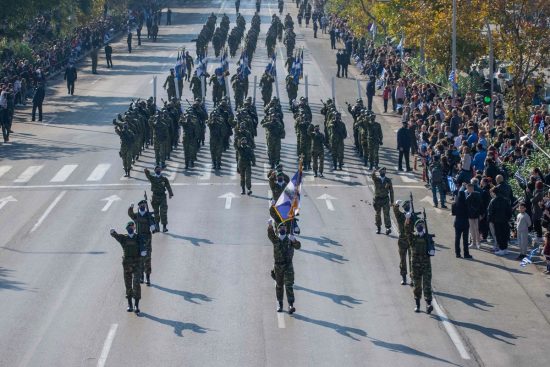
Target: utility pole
<point>491,72</point>
<point>453,62</point>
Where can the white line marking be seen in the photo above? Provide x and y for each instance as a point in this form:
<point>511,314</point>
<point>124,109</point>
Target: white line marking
<point>451,330</point>
<point>172,172</point>
<point>48,211</point>
<point>206,171</point>
<point>98,172</point>
<point>109,201</point>
<point>228,198</point>
<point>281,320</point>
<point>4,170</point>
<point>267,167</point>
<point>27,174</point>
<point>4,201</point>
<point>234,171</point>
<point>63,174</point>
<point>107,346</point>
<point>328,200</point>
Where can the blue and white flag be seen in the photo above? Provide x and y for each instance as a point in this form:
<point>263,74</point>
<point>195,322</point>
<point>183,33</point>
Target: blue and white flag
<point>453,79</point>
<point>528,259</point>
<point>243,71</point>
<point>541,127</point>
<point>178,68</point>
<point>201,67</point>
<point>451,183</point>
<point>521,180</point>
<point>373,29</point>
<point>225,61</point>
<point>271,68</point>
<point>288,204</point>
<point>401,46</point>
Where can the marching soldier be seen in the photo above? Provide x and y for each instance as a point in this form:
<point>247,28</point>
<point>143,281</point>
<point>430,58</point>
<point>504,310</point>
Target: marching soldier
<point>266,83</point>
<point>196,86</point>
<point>216,127</point>
<point>337,133</point>
<point>171,82</point>
<point>274,132</point>
<point>355,112</point>
<point>405,223</point>
<point>132,250</point>
<point>283,269</point>
<point>159,186</point>
<point>375,138</point>
<point>383,196</point>
<point>246,160</point>
<point>317,150</point>
<point>146,226</point>
<point>291,88</point>
<point>363,134</point>
<point>422,267</point>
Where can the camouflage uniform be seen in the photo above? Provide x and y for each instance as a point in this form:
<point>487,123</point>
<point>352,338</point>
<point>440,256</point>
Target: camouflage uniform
<point>283,252</point>
<point>422,268</point>
<point>171,82</point>
<point>355,112</point>
<point>291,88</point>
<point>215,125</point>
<point>375,138</point>
<point>274,132</point>
<point>131,263</point>
<point>383,195</point>
<point>337,134</point>
<point>126,143</point>
<point>143,229</point>
<point>406,232</point>
<point>245,163</point>
<point>159,185</point>
<point>317,151</point>
<point>196,86</point>
<point>266,83</point>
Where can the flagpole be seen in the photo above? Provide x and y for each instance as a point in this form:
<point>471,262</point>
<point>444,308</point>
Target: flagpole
<point>453,61</point>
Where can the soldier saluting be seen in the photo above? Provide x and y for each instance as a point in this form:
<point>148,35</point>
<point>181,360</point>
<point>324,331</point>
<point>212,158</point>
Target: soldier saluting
<point>132,248</point>
<point>283,270</point>
<point>422,266</point>
<point>383,196</point>
<point>159,186</point>
<point>146,226</point>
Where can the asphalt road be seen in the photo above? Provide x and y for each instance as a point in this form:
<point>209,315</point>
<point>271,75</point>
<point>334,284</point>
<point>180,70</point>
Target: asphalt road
<point>212,301</point>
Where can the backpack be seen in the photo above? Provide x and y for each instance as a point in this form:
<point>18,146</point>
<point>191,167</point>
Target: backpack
<point>437,174</point>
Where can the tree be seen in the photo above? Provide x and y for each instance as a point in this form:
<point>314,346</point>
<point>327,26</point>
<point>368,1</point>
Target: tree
<point>521,39</point>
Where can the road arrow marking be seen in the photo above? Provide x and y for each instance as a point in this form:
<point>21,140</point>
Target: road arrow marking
<point>328,200</point>
<point>6,200</point>
<point>109,201</point>
<point>228,198</point>
<point>48,211</point>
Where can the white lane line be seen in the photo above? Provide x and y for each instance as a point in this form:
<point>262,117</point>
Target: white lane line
<point>107,346</point>
<point>98,172</point>
<point>451,330</point>
<point>27,174</point>
<point>4,170</point>
<point>48,211</point>
<point>267,167</point>
<point>281,320</point>
<point>172,171</point>
<point>234,171</point>
<point>206,171</point>
<point>63,174</point>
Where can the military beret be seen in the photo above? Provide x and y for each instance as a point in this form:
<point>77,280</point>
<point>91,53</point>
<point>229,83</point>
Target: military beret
<point>419,221</point>
<point>130,224</point>
<point>142,202</point>
<point>157,166</point>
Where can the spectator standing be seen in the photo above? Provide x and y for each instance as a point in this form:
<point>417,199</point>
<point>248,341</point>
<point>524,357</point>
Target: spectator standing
<point>129,41</point>
<point>371,91</point>
<point>109,55</point>
<point>169,17</point>
<point>537,208</point>
<point>523,222</point>
<point>404,146</point>
<point>4,115</point>
<point>345,63</point>
<point>332,34</point>
<point>461,224</point>
<point>455,123</point>
<point>499,213</point>
<point>473,206</point>
<point>37,100</point>
<point>339,63</point>
<point>386,96</point>
<point>546,251</point>
<point>70,77</point>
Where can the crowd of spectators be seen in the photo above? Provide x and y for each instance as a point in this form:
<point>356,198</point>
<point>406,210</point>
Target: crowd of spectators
<point>463,154</point>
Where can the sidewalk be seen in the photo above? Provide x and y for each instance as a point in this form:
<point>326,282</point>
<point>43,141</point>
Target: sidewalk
<point>500,309</point>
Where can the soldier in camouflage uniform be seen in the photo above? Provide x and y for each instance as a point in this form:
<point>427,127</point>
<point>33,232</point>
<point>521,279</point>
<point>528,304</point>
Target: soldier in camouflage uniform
<point>126,143</point>
<point>274,132</point>
<point>422,267</point>
<point>405,223</point>
<point>291,88</point>
<point>238,90</point>
<point>375,138</point>
<point>252,115</point>
<point>247,159</point>
<point>216,127</point>
<point>317,150</point>
<point>383,196</point>
<point>159,186</point>
<point>132,249</point>
<point>190,129</point>
<point>266,83</point>
<point>355,112</point>
<point>241,131</point>
<point>218,89</point>
<point>328,110</point>
<point>229,120</point>
<point>363,132</point>
<point>303,129</point>
<point>196,86</point>
<point>171,82</point>
<point>289,41</point>
<point>146,226</point>
<point>283,269</point>
<point>160,133</point>
<point>337,133</point>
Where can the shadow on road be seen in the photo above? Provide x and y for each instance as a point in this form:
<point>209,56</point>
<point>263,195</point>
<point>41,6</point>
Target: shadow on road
<point>188,296</point>
<point>330,256</point>
<point>336,298</point>
<point>179,327</point>
<point>9,284</point>
<point>54,252</point>
<point>322,241</point>
<point>340,329</point>
<point>472,302</point>
<point>400,348</point>
<point>195,241</point>
<point>492,333</point>
<point>501,267</point>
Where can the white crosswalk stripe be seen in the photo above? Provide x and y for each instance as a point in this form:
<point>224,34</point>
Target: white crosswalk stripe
<point>98,172</point>
<point>267,167</point>
<point>28,173</point>
<point>206,171</point>
<point>172,171</point>
<point>4,170</point>
<point>63,174</point>
<point>233,171</point>
<point>343,175</point>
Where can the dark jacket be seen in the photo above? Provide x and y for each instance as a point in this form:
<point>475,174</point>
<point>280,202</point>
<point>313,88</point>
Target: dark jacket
<point>460,211</point>
<point>499,210</point>
<point>474,205</point>
<point>371,88</point>
<point>39,95</point>
<point>108,50</point>
<point>70,73</point>
<point>403,138</point>
<point>536,209</point>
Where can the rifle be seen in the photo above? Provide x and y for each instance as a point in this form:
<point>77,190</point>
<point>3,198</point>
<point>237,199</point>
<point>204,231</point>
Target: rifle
<point>414,214</point>
<point>429,237</point>
<point>155,223</point>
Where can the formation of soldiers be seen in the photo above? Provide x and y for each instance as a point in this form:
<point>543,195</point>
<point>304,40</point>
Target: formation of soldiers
<point>274,33</point>
<point>274,130</point>
<point>289,36</point>
<point>367,134</point>
<point>205,36</point>
<point>304,11</point>
<point>220,35</point>
<point>251,39</point>
<point>335,132</point>
<point>236,36</point>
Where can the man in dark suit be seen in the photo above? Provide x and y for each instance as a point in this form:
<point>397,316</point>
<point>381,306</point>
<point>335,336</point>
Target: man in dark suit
<point>70,77</point>
<point>339,63</point>
<point>460,212</point>
<point>332,38</point>
<point>37,100</point>
<point>475,210</point>
<point>345,63</point>
<point>108,55</point>
<point>371,91</point>
<point>404,146</point>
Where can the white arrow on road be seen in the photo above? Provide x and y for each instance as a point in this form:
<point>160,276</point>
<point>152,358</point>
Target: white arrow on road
<point>109,201</point>
<point>228,197</point>
<point>6,200</point>
<point>328,200</point>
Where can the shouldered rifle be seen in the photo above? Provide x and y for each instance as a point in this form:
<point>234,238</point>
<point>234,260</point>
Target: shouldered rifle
<point>151,217</point>
<point>414,215</point>
<point>429,237</point>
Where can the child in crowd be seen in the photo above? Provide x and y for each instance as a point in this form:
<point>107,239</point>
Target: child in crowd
<point>523,222</point>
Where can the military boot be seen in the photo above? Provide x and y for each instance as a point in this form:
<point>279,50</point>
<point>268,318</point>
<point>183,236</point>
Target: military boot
<point>164,229</point>
<point>280,307</point>
<point>130,306</point>
<point>291,308</point>
<point>314,173</point>
<point>417,308</point>
<point>334,165</point>
<point>340,166</point>
<point>365,162</point>
<point>403,280</point>
<point>377,229</point>
<point>148,280</point>
<point>141,278</point>
<point>321,174</point>
<point>411,283</point>
<point>186,164</point>
<point>249,192</point>
<point>429,308</point>
<point>136,308</point>
<point>243,191</point>
<point>388,231</point>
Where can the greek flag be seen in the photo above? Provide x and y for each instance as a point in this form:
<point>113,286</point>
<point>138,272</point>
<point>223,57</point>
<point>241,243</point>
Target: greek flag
<point>527,260</point>
<point>452,79</point>
<point>219,75</point>
<point>225,61</point>
<point>541,127</point>
<point>288,204</point>
<point>373,29</point>
<point>401,46</point>
<point>271,68</point>
<point>201,67</point>
<point>451,183</point>
<point>178,68</point>
<point>243,71</point>
<point>521,180</point>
